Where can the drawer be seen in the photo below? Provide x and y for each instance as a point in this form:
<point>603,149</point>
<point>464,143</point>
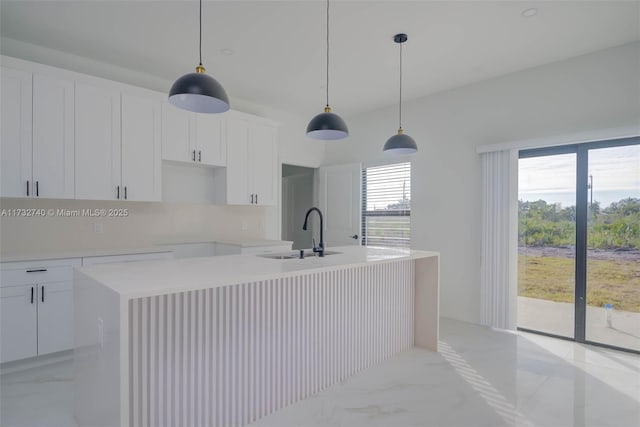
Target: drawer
<point>35,275</point>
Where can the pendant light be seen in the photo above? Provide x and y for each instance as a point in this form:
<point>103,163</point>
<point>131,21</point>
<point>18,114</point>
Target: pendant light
<point>327,125</point>
<point>400,143</point>
<point>199,92</point>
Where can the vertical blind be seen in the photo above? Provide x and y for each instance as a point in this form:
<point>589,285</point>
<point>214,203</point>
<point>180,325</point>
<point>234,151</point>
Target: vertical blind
<point>386,205</point>
<point>499,263</point>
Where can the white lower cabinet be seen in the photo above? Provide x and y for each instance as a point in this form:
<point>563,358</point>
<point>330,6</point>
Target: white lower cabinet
<point>36,308</point>
<point>55,317</point>
<point>18,323</point>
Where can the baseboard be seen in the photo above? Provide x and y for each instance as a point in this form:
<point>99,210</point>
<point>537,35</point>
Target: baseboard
<point>35,362</point>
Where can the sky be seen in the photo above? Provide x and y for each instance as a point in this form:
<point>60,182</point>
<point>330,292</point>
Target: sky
<point>615,171</point>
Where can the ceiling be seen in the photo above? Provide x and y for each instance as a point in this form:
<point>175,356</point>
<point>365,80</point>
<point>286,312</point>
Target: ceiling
<point>278,47</point>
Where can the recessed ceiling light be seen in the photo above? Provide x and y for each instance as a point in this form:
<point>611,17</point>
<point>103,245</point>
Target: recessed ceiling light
<point>528,13</point>
<point>226,51</point>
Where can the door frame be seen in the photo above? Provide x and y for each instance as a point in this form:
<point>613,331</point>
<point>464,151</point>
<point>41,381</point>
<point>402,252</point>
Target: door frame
<point>582,192</point>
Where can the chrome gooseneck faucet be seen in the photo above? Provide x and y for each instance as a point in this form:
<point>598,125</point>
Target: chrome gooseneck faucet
<point>320,248</point>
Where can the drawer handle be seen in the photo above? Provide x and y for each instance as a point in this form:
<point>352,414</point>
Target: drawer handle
<point>38,270</point>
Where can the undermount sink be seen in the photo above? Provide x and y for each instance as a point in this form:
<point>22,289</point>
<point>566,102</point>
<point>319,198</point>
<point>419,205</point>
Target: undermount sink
<point>296,255</point>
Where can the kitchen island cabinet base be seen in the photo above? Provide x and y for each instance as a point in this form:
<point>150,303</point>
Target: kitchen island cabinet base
<point>229,355</point>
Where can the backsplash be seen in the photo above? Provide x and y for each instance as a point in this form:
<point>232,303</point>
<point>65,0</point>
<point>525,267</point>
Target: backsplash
<point>45,225</point>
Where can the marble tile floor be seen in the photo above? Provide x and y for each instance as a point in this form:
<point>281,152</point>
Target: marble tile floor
<point>480,377</point>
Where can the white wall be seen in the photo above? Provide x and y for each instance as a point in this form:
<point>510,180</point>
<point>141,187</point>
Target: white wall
<point>294,148</point>
<point>599,90</point>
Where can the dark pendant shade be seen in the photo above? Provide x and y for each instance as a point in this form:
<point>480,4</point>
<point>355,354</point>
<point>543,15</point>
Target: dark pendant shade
<point>200,93</point>
<point>400,144</point>
<point>327,126</point>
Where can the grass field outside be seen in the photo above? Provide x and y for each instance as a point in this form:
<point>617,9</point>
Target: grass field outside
<point>612,278</point>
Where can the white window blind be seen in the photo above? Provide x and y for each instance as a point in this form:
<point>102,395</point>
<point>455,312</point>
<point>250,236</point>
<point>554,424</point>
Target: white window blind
<point>386,205</point>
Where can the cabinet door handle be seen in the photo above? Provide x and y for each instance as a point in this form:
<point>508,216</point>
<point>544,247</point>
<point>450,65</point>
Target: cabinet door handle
<point>125,192</point>
<point>42,293</point>
<point>199,155</point>
<point>194,155</point>
<point>37,188</point>
<point>32,295</point>
<point>27,187</point>
<point>252,199</point>
<point>37,270</point>
<point>118,192</point>
<point>256,198</point>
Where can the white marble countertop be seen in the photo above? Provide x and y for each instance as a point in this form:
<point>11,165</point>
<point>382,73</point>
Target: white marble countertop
<point>255,243</point>
<point>243,243</point>
<point>150,278</point>
<point>81,253</point>
<point>158,248</point>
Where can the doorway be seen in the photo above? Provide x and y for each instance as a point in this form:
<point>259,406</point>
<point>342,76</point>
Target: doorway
<point>298,194</point>
<point>579,242</point>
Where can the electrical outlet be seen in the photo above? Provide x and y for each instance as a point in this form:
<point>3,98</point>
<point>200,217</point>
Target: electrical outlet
<point>100,332</point>
<point>98,228</point>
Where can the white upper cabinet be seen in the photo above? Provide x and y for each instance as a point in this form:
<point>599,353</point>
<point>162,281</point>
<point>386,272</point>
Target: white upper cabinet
<point>117,145</point>
<point>192,137</point>
<point>37,135</point>
<point>53,137</point>
<point>209,139</point>
<point>98,150</point>
<point>252,153</point>
<point>176,142</point>
<point>239,191</point>
<point>16,143</point>
<point>141,177</point>
<point>264,163</point>
<point>68,135</point>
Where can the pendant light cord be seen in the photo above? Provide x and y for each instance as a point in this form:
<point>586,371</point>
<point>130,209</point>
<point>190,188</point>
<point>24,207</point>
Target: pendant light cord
<point>400,108</point>
<point>327,53</point>
<point>200,45</point>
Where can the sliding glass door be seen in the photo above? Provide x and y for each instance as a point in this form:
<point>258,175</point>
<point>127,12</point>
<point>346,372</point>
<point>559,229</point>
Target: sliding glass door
<point>579,242</point>
<point>546,243</point>
<point>613,247</point>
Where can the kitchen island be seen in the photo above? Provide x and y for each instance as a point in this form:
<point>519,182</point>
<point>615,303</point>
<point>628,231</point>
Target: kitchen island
<point>223,341</point>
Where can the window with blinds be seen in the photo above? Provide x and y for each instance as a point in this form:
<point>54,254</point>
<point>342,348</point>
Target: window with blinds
<point>386,205</point>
